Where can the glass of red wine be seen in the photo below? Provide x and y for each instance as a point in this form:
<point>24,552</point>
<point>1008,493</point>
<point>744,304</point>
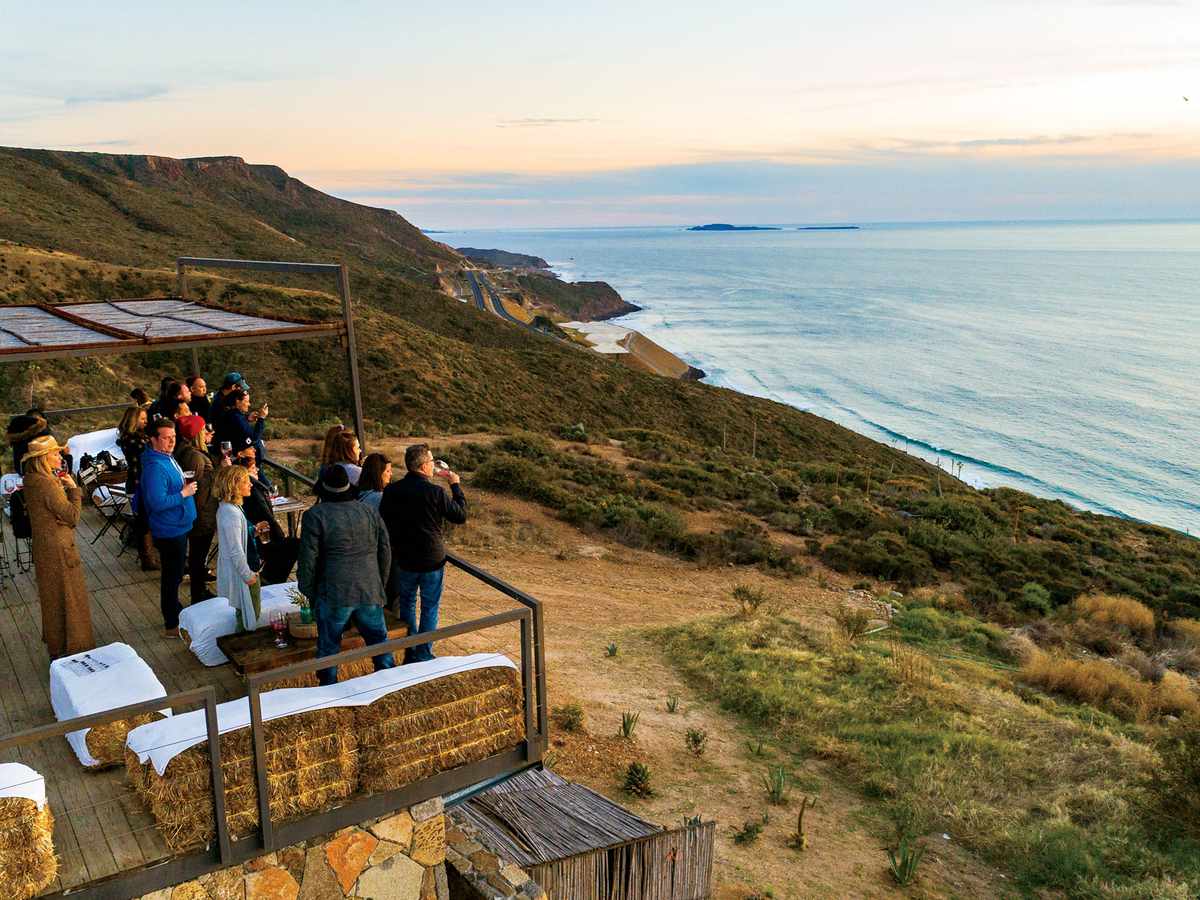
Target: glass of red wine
<point>279,625</point>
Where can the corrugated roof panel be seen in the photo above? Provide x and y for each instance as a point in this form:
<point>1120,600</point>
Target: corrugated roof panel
<point>30,326</point>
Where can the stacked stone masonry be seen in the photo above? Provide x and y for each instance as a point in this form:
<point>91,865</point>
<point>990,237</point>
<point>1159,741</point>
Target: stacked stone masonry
<point>398,857</point>
<point>476,870</point>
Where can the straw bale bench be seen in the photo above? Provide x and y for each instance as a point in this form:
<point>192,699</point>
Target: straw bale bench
<point>27,861</point>
<point>98,680</point>
<point>324,744</point>
<point>312,762</point>
<point>457,717</point>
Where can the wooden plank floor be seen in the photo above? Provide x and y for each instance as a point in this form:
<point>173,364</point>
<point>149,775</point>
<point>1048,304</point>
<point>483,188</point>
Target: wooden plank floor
<point>100,826</point>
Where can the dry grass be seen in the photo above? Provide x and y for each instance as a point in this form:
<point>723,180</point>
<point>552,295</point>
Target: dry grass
<point>27,861</point>
<point>1104,685</point>
<point>1116,612</point>
<point>1187,630</point>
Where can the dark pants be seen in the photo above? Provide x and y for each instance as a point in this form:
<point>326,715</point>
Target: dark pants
<point>332,621</point>
<point>172,553</point>
<point>198,546</point>
<point>279,555</point>
<point>402,588</point>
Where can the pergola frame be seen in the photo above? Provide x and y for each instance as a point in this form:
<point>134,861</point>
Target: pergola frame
<point>338,270</point>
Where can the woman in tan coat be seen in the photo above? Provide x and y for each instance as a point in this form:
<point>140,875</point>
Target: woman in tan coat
<point>54,502</point>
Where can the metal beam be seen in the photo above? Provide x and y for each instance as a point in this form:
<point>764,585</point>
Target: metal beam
<point>258,265</point>
<point>352,357</point>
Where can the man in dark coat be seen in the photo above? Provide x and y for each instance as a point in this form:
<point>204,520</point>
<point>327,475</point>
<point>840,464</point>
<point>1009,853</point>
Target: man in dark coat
<point>414,510</point>
<point>344,563</point>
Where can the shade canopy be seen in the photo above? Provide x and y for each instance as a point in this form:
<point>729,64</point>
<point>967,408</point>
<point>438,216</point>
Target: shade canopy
<point>49,331</point>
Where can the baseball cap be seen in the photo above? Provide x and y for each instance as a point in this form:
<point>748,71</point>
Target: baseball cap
<point>235,379</point>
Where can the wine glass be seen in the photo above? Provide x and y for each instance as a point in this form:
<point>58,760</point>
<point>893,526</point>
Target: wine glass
<point>279,626</point>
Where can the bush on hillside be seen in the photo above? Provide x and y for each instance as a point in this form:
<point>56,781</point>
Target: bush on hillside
<point>1035,598</point>
<point>1187,630</point>
<point>1174,784</point>
<point>1120,613</point>
<point>1105,686</point>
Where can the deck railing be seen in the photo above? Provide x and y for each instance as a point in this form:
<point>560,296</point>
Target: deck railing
<point>225,851</point>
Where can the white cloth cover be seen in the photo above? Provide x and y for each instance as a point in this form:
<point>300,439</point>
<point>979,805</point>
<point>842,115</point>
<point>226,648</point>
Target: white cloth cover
<point>17,780</point>
<point>205,622</point>
<point>93,442</point>
<point>97,680</point>
<point>162,741</point>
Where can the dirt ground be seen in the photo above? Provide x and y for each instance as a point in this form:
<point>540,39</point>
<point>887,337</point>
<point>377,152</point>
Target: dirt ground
<point>597,592</point>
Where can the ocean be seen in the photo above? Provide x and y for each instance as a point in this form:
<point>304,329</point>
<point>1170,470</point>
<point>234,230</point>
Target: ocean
<point>1061,358</point>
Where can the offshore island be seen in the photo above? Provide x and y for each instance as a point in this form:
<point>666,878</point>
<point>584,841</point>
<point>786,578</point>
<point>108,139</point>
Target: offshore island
<point>721,226</point>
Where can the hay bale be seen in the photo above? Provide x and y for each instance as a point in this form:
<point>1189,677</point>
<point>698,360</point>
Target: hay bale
<point>346,671</point>
<point>312,762</point>
<point>27,860</point>
<point>95,681</point>
<point>106,742</point>
<point>436,725</point>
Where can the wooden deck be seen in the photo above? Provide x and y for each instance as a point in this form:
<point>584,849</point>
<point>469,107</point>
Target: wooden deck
<point>100,826</point>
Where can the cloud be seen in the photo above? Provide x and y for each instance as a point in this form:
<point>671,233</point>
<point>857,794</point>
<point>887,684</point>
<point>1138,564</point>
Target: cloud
<point>121,142</point>
<point>536,122</point>
<point>133,93</point>
<point>918,187</point>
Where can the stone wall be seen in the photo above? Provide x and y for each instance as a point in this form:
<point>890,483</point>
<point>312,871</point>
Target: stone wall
<point>398,857</point>
<point>477,871</point>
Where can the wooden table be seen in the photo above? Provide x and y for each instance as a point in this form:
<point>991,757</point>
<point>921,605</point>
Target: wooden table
<point>255,651</point>
<point>291,507</point>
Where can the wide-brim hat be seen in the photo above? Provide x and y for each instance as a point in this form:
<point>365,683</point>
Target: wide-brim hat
<point>41,446</point>
<point>334,481</point>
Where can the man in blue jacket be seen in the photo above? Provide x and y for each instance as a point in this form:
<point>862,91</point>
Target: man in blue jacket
<point>171,511</point>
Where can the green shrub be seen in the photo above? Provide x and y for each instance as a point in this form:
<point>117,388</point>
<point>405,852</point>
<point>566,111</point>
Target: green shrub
<point>1174,784</point>
<point>1035,598</point>
<point>568,717</point>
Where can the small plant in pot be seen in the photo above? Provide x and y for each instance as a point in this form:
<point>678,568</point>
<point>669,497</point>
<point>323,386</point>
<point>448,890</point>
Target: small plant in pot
<point>303,604</point>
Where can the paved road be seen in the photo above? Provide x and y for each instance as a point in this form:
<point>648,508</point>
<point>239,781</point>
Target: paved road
<point>476,291</point>
<point>498,305</point>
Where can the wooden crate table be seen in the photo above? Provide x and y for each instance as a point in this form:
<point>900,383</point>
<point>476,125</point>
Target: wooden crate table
<point>255,651</point>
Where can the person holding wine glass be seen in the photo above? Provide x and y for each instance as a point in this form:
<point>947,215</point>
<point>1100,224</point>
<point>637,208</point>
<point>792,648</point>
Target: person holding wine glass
<point>53,501</point>
<point>237,546</point>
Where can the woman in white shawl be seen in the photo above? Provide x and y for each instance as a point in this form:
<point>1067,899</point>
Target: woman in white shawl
<point>236,580</point>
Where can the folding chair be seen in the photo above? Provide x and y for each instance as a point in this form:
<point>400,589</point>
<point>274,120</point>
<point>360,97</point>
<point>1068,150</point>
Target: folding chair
<point>9,485</point>
<point>113,505</point>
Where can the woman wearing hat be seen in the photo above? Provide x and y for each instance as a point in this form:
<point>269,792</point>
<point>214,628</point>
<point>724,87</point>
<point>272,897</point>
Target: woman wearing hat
<point>54,501</point>
<point>191,452</point>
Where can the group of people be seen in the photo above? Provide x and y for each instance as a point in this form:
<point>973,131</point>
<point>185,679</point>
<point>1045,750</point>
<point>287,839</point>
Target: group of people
<point>193,477</point>
<point>190,456</point>
<point>372,543</point>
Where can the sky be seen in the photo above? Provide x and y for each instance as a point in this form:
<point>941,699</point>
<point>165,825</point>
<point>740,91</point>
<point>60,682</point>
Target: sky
<point>569,114</point>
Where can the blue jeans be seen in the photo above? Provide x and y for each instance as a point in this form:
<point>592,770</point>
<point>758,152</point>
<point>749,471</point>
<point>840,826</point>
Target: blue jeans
<point>402,588</point>
<point>332,621</point>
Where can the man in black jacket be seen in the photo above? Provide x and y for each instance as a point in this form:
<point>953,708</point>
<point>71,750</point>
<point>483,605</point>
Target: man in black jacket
<point>413,509</point>
<point>279,552</point>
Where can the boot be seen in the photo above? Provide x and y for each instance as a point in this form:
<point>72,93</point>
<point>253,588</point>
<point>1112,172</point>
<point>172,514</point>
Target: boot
<point>148,554</point>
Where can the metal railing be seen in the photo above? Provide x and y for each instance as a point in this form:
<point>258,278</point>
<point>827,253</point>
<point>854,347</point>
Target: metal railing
<point>226,851</point>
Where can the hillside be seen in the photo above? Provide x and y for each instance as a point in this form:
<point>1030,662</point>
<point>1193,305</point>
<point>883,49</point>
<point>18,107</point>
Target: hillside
<point>767,476</point>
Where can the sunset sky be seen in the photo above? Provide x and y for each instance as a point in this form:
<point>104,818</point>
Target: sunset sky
<point>626,113</point>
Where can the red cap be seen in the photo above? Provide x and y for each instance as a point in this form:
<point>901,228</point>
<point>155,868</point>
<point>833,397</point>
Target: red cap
<point>189,426</point>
